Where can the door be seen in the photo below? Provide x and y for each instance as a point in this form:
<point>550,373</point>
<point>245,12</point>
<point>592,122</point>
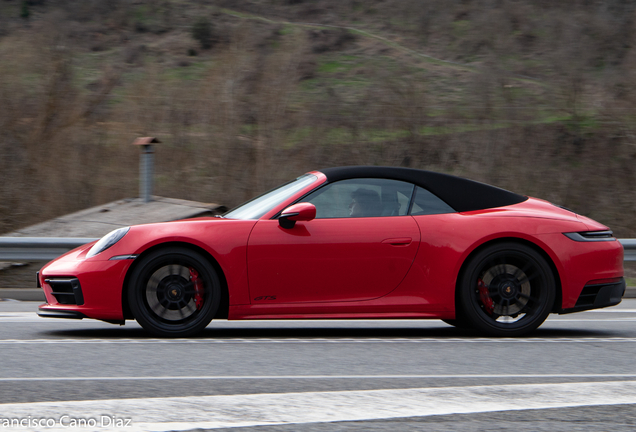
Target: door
<point>360,246</point>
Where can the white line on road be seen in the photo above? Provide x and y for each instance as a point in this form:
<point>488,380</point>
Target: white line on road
<point>316,377</point>
<point>207,412</point>
<point>308,341</point>
<point>610,310</point>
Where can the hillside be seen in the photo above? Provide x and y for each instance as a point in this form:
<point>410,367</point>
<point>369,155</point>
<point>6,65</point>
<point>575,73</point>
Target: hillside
<point>536,97</point>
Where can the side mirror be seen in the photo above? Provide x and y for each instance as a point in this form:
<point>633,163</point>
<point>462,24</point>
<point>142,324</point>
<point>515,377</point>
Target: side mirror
<point>298,212</point>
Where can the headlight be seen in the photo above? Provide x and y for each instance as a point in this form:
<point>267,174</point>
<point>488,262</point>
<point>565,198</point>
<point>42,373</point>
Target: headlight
<point>107,241</point>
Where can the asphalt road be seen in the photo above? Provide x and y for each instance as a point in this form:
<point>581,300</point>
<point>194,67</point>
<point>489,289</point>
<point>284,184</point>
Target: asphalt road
<point>577,372</point>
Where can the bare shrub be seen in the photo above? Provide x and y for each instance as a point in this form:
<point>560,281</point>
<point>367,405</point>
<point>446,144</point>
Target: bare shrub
<point>330,40</point>
<point>203,32</point>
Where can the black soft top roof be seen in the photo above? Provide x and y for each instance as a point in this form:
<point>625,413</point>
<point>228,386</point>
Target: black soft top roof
<point>459,193</point>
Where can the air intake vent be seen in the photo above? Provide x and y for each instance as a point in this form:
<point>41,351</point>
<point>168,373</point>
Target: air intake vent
<point>599,293</point>
<point>588,295</point>
<point>66,290</point>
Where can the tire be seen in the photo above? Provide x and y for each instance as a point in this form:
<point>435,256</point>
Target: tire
<point>507,289</point>
<point>174,292</point>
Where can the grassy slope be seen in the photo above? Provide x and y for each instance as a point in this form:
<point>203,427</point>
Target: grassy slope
<point>504,94</point>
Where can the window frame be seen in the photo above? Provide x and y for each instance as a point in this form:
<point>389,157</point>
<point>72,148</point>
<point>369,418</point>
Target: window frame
<point>410,213</point>
<point>411,198</point>
<point>328,183</point>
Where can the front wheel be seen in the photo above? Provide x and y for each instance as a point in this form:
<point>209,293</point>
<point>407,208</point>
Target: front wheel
<point>507,289</point>
<point>174,292</point>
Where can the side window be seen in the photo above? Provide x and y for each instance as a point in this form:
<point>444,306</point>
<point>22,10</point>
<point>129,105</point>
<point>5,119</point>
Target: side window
<point>362,198</point>
<point>425,203</point>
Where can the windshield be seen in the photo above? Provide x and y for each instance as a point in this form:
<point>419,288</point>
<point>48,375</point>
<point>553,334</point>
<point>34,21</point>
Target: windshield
<point>260,205</point>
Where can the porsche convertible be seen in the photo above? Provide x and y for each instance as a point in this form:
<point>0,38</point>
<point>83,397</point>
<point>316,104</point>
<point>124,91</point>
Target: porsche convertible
<point>347,243</point>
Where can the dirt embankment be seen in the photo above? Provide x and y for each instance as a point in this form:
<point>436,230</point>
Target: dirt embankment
<point>536,97</point>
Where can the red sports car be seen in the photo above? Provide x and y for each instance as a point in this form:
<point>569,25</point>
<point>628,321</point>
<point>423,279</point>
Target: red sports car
<point>349,242</point>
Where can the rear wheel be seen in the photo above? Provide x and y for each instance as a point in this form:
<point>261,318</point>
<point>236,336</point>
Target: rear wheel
<point>507,289</point>
<point>174,292</point>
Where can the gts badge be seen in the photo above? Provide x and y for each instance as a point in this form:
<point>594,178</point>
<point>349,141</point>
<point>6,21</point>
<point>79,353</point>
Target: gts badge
<point>260,298</point>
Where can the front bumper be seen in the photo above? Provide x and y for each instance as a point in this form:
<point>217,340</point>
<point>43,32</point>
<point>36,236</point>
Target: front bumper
<point>76,287</point>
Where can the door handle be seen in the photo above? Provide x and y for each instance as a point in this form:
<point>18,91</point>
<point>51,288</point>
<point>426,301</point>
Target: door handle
<point>402,241</point>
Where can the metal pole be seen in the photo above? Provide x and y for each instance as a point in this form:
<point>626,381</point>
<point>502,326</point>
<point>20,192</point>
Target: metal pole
<point>146,172</point>
<point>146,166</point>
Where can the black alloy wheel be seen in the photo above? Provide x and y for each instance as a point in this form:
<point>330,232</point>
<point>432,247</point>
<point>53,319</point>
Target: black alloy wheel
<point>174,292</point>
<point>507,289</point>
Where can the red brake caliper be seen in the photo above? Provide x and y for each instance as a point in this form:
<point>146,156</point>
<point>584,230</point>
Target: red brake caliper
<point>484,296</point>
<point>198,288</point>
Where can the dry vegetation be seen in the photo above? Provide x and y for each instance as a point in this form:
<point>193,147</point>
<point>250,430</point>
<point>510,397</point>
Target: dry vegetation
<point>536,97</point>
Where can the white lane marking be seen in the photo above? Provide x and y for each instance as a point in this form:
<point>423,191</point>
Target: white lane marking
<point>309,341</point>
<point>610,310</point>
<point>316,377</point>
<point>208,412</point>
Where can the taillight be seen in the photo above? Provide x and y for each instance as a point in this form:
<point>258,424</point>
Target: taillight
<point>591,236</point>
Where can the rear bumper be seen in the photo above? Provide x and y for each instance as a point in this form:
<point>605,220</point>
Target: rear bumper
<point>598,296</point>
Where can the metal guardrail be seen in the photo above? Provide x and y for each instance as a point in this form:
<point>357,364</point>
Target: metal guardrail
<point>629,245</point>
<point>48,248</point>
<point>37,248</point>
